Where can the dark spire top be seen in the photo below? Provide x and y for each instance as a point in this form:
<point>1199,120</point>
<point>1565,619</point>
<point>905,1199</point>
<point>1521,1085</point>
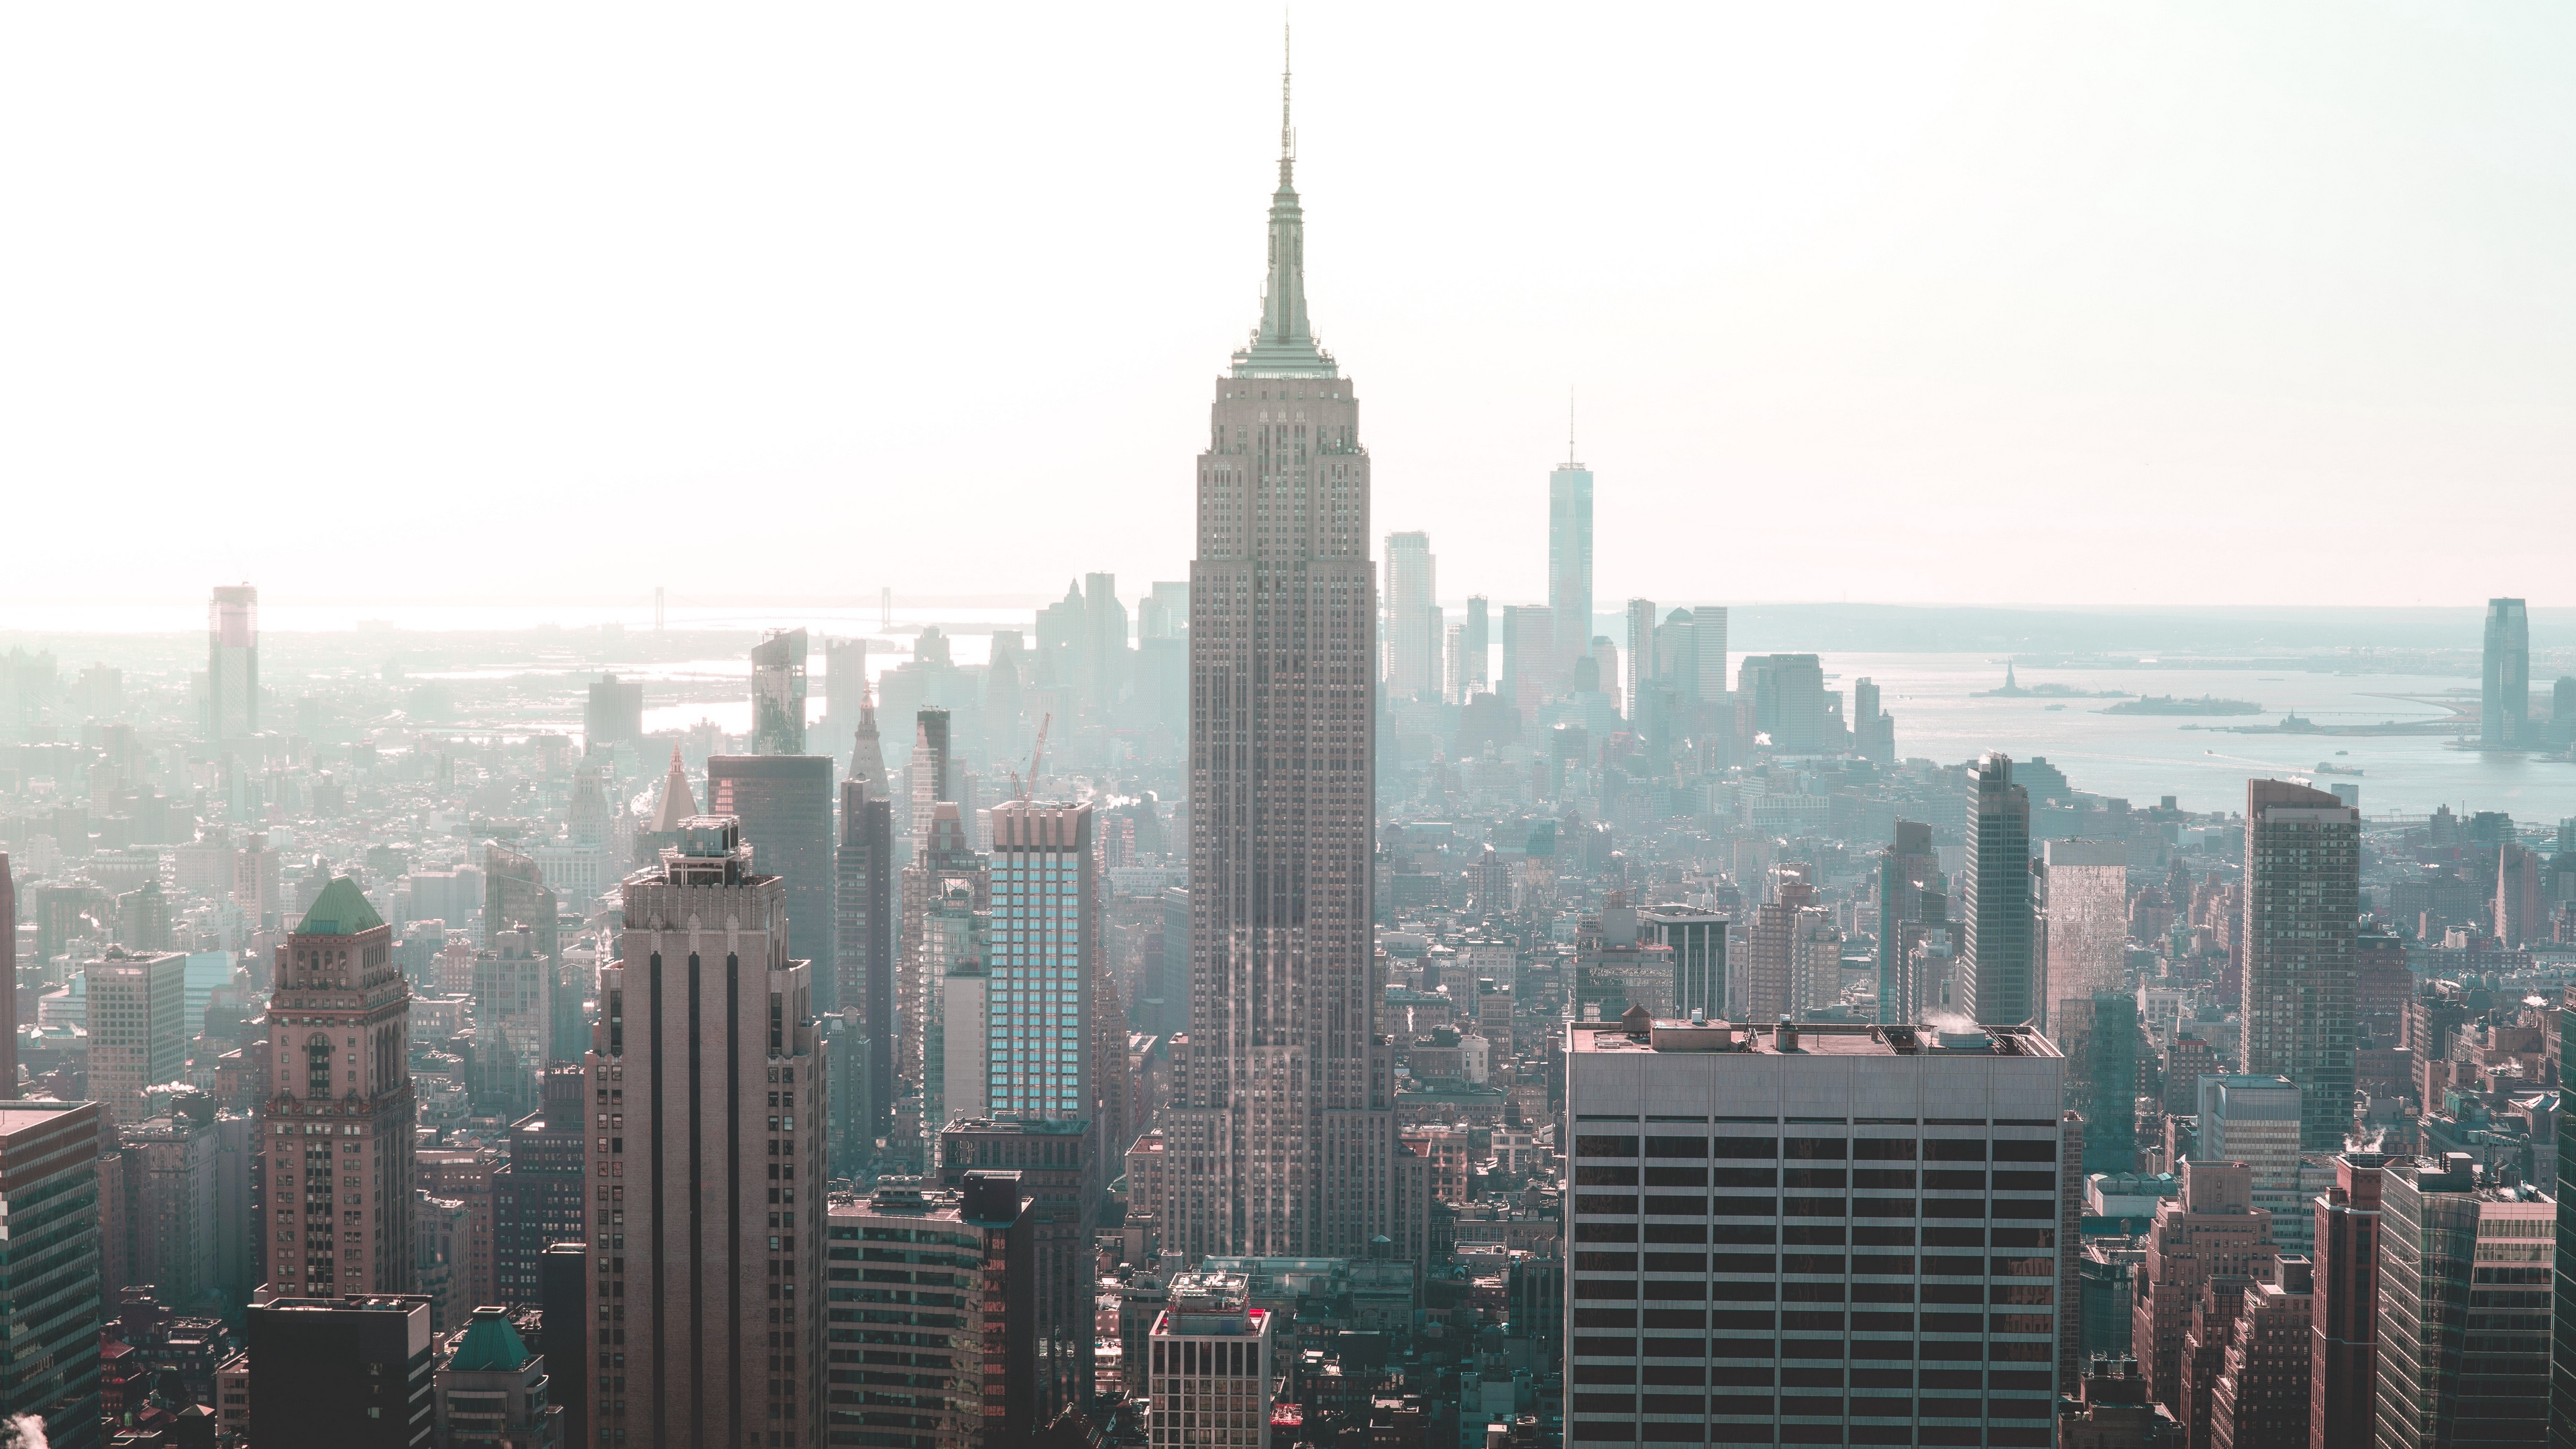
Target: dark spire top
<point>1284,344</point>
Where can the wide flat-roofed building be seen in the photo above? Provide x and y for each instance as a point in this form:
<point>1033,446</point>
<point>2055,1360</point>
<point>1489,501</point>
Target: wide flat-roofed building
<point>1793,1232</point>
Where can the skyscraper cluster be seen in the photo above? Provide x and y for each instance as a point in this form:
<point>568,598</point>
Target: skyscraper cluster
<point>1267,1008</point>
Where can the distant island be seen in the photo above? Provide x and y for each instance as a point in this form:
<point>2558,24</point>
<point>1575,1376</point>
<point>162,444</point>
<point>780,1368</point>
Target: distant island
<point>2167,704</point>
<point>2013,689</point>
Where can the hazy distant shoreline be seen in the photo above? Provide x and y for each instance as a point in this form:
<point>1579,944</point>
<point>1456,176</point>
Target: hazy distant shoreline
<point>2203,636</point>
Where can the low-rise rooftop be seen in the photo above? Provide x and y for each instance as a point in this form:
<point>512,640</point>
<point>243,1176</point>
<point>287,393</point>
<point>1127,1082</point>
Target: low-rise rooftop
<point>1637,1033</point>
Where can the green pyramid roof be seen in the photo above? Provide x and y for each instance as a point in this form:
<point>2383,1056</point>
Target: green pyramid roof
<point>341,910</point>
<point>490,1344</point>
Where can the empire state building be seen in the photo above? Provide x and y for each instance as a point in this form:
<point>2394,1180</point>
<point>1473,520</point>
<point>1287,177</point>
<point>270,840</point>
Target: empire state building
<point>1282,1140</point>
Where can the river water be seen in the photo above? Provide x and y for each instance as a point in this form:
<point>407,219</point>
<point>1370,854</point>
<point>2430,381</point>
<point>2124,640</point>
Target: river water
<point>2143,757</point>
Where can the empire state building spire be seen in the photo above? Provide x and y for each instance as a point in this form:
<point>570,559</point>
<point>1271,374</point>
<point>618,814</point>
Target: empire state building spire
<point>1284,344</point>
<point>1282,1102</point>
<point>1287,133</point>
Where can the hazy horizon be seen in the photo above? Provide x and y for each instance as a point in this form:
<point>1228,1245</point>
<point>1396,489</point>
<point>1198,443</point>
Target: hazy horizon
<point>2068,303</point>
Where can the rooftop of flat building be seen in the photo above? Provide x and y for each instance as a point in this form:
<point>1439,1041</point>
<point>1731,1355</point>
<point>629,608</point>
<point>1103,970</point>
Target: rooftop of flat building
<point>22,1115</point>
<point>350,1303</point>
<point>1033,1126</point>
<point>1636,1033</point>
<point>908,1196</point>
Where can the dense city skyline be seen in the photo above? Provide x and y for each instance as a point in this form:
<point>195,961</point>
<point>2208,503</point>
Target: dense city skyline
<point>1306,998</point>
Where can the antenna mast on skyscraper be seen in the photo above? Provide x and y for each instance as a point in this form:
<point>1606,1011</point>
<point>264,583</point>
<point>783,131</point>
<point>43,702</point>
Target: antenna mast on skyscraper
<point>1287,137</point>
<point>1569,427</point>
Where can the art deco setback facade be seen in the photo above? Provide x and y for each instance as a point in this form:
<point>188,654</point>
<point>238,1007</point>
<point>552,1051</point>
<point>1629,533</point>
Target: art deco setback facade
<point>1282,1124</point>
<point>337,1126</point>
<point>706,1168</point>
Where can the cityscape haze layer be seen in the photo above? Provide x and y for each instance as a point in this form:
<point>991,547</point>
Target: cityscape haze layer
<point>1493,940</point>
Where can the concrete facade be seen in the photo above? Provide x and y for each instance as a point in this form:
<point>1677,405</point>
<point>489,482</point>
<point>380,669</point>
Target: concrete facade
<point>706,1157</point>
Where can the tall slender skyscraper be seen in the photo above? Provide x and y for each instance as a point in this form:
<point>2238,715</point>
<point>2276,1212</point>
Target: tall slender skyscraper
<point>232,663</point>
<point>2088,918</point>
<point>1475,644</point>
<point>845,684</point>
<point>338,1122</point>
<point>1690,654</point>
<point>614,713</point>
<point>8,973</point>
<point>1532,665</point>
<point>1995,968</point>
<point>784,805</point>
<point>2302,911</point>
<point>943,862</point>
<point>2504,693</point>
<point>867,751</point>
<point>864,900</point>
<point>928,777</point>
<point>1641,657</point>
<point>1873,729</point>
<point>1412,617</point>
<point>1904,867</point>
<point>778,693</point>
<point>1282,1137</point>
<point>1045,945</point>
<point>707,1258</point>
<point>1104,623</point>
<point>1569,555</point>
<point>2343,1344</point>
<point>516,896</point>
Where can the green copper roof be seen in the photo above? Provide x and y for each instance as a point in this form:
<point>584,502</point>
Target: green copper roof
<point>490,1344</point>
<point>1284,344</point>
<point>341,910</point>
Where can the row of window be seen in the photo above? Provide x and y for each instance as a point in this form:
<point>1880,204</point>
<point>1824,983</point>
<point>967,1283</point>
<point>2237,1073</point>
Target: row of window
<point>1973,1179</point>
<point>1590,1260</point>
<point>1627,1431</point>
<point>1815,1406</point>
<point>2039,1349</point>
<point>1818,1149</point>
<point>1621,1204</point>
<point>1763,1290</point>
<point>1813,1376</point>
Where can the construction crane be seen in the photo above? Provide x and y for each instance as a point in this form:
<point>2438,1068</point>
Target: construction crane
<point>1035,760</point>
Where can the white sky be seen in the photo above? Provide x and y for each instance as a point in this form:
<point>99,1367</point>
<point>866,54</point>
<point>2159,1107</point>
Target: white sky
<point>2056,302</point>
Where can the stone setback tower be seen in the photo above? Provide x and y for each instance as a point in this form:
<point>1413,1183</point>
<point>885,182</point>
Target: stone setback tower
<point>1283,1140</point>
<point>706,1161</point>
<point>336,1131</point>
